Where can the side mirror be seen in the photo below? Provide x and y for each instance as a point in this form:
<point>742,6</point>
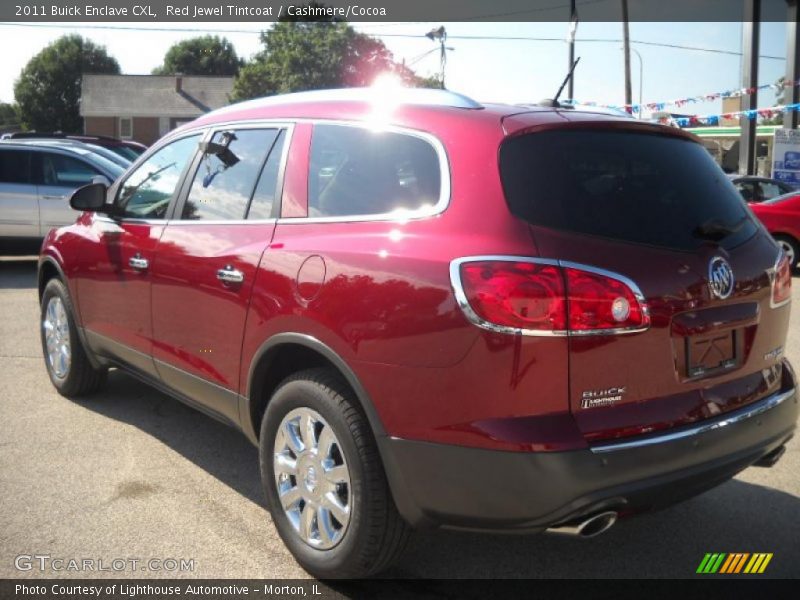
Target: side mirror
<point>90,197</point>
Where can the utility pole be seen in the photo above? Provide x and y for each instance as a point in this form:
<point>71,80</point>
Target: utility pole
<point>791,94</point>
<point>573,28</point>
<point>441,35</point>
<point>626,45</point>
<point>750,48</point>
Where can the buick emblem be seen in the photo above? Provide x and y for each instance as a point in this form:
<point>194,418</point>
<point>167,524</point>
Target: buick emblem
<point>720,278</point>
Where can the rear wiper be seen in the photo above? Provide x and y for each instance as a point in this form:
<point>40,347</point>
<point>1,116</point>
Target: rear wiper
<point>715,230</point>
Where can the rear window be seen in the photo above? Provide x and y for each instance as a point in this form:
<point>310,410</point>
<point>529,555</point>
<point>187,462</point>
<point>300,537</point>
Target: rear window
<point>629,186</point>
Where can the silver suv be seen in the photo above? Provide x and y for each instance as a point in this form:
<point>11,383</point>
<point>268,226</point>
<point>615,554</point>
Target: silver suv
<point>36,181</point>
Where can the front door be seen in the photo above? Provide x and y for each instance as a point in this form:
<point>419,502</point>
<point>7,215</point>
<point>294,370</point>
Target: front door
<point>206,264</point>
<point>59,175</point>
<point>114,296</point>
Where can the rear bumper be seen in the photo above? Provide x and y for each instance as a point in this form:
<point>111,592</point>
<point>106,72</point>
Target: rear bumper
<point>469,488</point>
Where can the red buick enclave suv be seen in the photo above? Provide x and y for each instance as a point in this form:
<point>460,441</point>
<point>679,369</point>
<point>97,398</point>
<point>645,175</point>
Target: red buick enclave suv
<point>430,312</point>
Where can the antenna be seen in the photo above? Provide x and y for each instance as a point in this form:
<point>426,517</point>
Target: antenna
<point>566,79</point>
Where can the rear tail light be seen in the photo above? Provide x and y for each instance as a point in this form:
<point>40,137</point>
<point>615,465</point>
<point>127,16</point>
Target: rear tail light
<point>782,282</point>
<point>602,302</point>
<point>539,297</point>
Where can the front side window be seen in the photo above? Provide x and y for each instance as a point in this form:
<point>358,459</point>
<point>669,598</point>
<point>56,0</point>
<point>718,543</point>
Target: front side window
<point>226,177</point>
<point>748,191</point>
<point>359,172</point>
<point>65,171</point>
<point>147,192</point>
<point>261,206</point>
<point>770,190</point>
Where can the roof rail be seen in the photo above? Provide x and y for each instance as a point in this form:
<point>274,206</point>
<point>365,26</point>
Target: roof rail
<point>398,95</point>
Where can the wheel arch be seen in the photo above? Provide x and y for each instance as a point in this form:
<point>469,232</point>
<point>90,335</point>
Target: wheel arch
<point>48,269</point>
<point>308,351</point>
<point>284,354</point>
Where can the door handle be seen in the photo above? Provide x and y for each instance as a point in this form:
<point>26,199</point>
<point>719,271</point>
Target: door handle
<point>139,263</point>
<point>230,275</point>
<point>54,197</point>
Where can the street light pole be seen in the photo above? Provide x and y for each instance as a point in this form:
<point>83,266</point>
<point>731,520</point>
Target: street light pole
<point>626,43</point>
<point>641,79</point>
<point>573,26</point>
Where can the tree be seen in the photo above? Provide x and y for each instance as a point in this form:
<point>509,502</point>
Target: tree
<point>48,89</point>
<point>313,55</point>
<point>205,55</point>
<point>9,119</point>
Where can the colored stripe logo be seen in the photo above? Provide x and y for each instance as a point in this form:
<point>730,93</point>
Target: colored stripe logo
<point>735,562</point>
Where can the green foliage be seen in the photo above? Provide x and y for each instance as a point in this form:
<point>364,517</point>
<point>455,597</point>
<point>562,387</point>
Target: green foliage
<point>49,87</point>
<point>313,55</point>
<point>205,55</point>
<point>9,118</point>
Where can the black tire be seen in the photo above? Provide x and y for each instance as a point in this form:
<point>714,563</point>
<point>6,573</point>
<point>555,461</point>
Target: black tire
<point>376,534</point>
<point>81,378</point>
<point>790,241</point>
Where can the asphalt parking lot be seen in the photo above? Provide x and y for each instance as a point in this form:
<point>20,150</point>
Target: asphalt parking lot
<point>131,473</point>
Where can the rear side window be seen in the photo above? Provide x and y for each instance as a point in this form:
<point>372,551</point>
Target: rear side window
<point>15,166</point>
<point>225,181</point>
<point>629,186</point>
<point>359,172</point>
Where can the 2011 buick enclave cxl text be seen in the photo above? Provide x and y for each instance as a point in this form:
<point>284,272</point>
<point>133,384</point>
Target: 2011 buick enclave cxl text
<point>430,312</point>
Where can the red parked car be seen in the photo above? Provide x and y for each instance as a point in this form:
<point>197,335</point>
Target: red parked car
<point>430,312</point>
<point>781,216</point>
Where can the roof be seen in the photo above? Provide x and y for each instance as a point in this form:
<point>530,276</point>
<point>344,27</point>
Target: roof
<point>152,95</point>
<point>432,110</point>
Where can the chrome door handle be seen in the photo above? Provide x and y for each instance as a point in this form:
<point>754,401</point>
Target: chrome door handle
<point>54,197</point>
<point>230,275</point>
<point>139,263</point>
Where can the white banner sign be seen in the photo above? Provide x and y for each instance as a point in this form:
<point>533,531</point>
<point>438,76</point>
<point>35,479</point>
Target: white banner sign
<point>786,156</point>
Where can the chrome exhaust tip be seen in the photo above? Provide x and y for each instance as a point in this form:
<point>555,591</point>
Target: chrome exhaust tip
<point>587,527</point>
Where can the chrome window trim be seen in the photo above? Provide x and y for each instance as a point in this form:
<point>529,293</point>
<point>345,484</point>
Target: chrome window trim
<point>472,316</point>
<point>732,418</point>
<point>171,222</point>
<point>207,132</point>
<point>423,213</point>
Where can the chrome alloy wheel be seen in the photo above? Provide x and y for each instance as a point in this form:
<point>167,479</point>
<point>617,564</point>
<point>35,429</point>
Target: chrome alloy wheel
<point>56,335</point>
<point>312,478</point>
<point>788,250</point>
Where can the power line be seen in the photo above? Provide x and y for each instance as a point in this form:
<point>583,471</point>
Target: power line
<point>489,38</point>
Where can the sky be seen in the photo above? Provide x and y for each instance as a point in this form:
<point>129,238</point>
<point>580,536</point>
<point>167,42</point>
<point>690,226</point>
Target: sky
<point>487,70</point>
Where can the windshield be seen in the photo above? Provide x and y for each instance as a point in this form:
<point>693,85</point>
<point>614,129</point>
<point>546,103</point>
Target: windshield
<point>125,152</point>
<point>626,185</point>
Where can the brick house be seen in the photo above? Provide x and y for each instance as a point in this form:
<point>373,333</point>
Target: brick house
<point>145,107</point>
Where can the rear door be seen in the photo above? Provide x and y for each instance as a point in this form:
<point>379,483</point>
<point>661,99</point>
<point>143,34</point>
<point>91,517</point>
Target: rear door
<point>207,261</point>
<point>19,205</point>
<point>655,209</point>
